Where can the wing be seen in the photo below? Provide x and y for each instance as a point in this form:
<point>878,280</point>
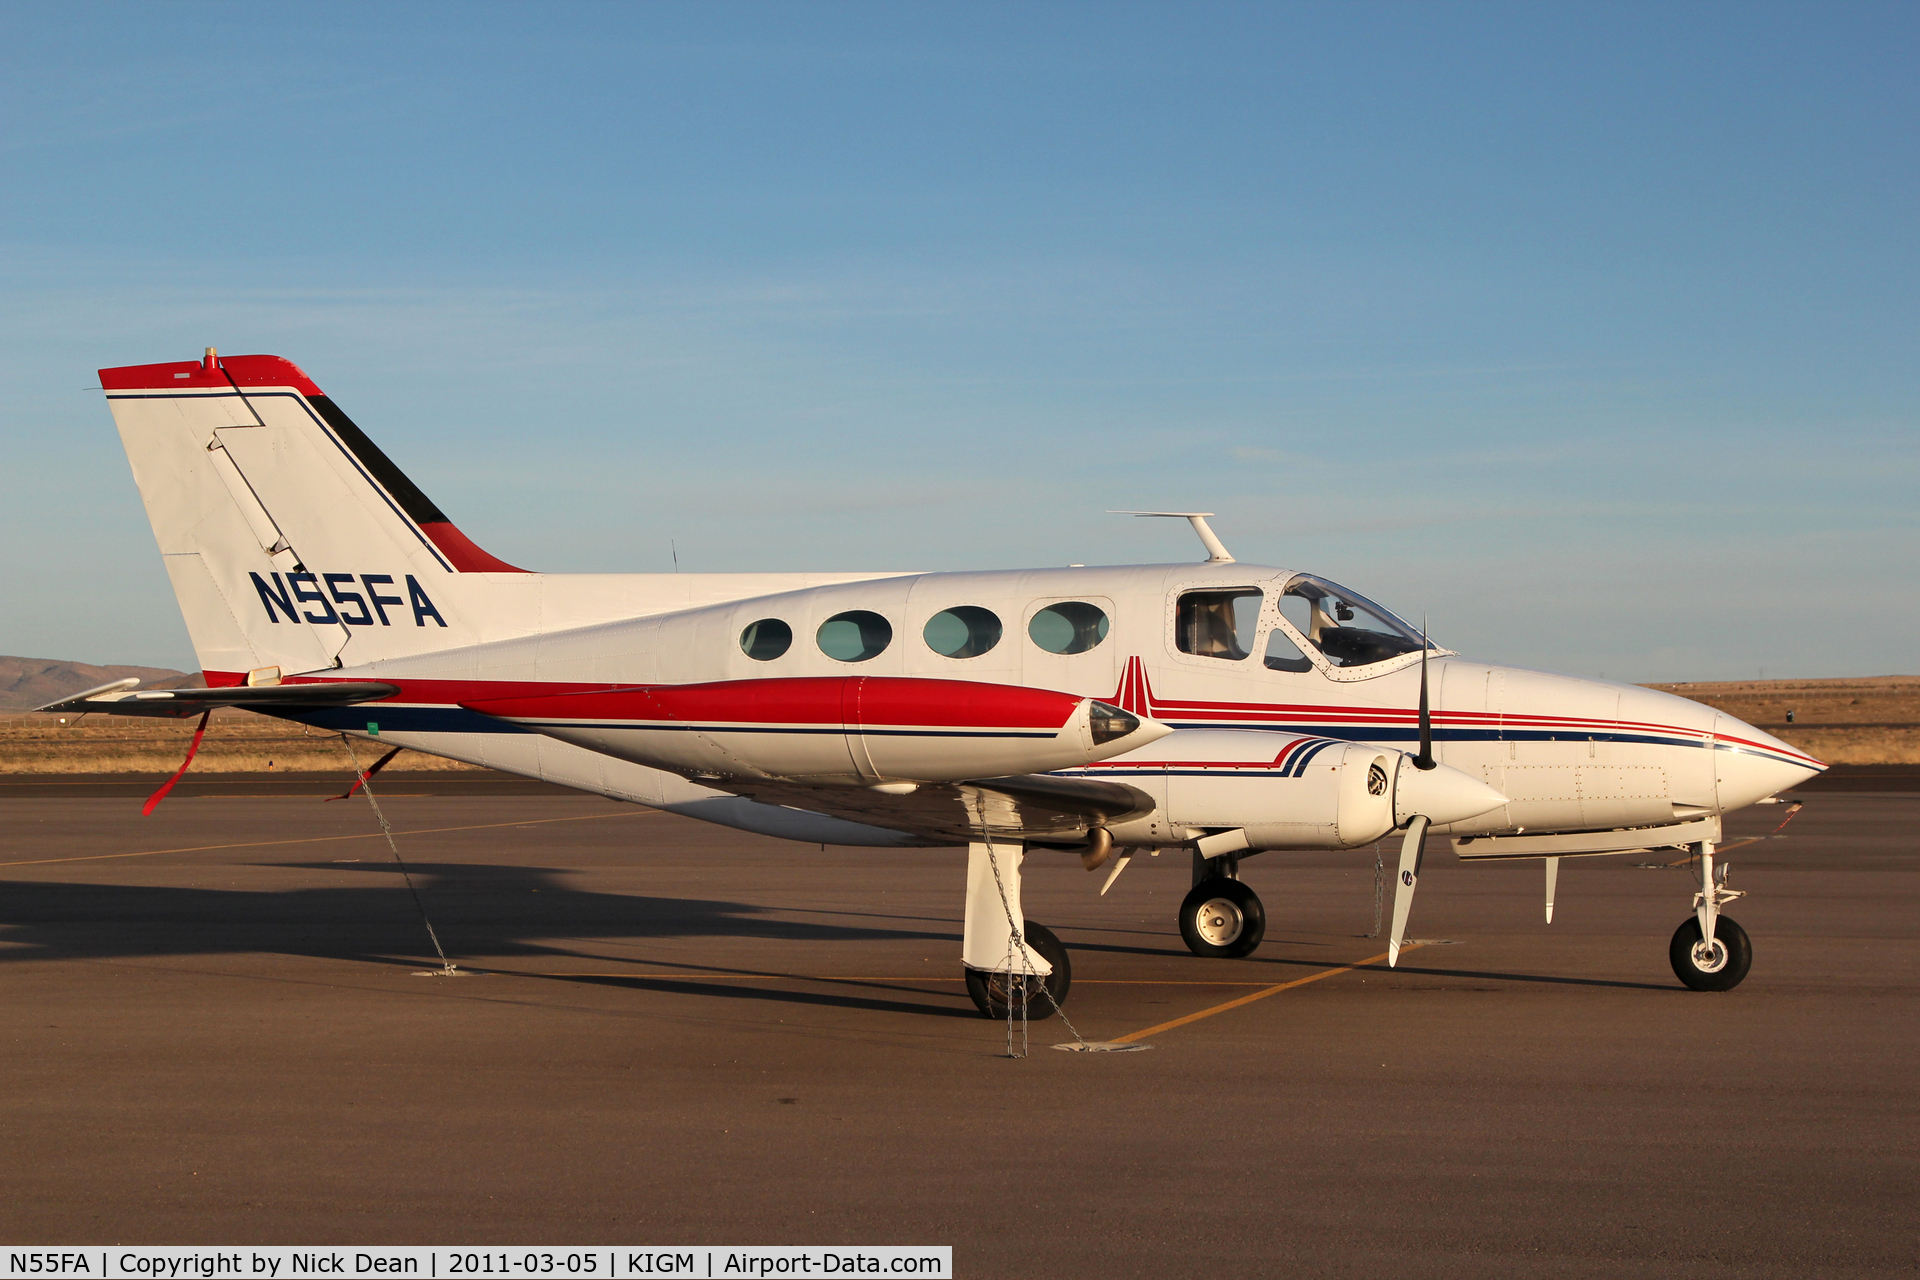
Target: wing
<point>1035,807</point>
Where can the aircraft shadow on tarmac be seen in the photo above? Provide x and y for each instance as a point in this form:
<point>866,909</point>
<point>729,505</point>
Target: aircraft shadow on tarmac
<point>496,911</point>
<point>486,910</point>
<point>478,909</point>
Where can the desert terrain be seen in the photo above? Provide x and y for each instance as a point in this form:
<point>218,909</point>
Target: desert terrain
<point>236,742</point>
<point>1849,720</point>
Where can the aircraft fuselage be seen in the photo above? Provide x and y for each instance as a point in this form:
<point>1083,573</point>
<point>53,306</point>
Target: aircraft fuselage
<point>1569,754</point>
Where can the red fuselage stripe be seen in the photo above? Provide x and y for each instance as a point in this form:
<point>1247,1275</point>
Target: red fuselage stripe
<point>850,700</point>
<point>854,700</point>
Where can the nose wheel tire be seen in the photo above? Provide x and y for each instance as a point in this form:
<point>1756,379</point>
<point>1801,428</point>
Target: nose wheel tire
<point>1718,968</point>
<point>1222,919</point>
<point>993,992</point>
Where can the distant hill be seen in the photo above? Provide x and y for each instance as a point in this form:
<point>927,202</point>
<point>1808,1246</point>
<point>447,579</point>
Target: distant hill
<point>31,682</point>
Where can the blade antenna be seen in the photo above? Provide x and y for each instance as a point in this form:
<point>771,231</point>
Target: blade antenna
<point>1425,759</point>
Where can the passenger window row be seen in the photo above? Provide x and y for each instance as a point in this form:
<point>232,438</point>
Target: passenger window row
<point>1348,630</point>
<point>964,631</point>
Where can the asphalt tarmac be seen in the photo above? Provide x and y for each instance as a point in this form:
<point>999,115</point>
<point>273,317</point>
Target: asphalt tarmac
<point>216,1032</point>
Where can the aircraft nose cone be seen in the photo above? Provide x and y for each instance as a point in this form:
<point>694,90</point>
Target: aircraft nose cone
<point>1443,794</point>
<point>1750,765</point>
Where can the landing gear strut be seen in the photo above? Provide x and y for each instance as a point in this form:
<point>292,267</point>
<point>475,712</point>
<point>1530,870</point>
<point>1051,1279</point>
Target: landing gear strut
<point>1711,952</point>
<point>1010,963</point>
<point>1221,918</point>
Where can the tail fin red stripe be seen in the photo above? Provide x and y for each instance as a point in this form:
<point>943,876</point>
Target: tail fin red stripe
<point>458,548</point>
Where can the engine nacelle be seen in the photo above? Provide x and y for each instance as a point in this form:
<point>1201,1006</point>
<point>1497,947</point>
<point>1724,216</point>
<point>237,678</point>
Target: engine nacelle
<point>1284,790</point>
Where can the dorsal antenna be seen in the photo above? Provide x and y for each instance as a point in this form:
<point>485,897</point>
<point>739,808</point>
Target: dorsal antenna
<point>1216,550</point>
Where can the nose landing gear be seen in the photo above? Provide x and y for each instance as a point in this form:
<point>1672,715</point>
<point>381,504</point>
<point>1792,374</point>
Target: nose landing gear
<point>1711,952</point>
<point>1715,966</point>
<point>1221,918</point>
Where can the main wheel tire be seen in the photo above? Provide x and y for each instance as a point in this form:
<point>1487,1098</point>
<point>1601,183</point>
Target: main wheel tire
<point>1720,969</point>
<point>993,991</point>
<point>1222,919</point>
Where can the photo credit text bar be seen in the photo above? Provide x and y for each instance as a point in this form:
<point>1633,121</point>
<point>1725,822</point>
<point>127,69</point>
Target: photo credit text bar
<point>443,1262</point>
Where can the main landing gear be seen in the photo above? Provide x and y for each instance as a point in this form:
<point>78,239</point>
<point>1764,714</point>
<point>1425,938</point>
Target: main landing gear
<point>1221,917</point>
<point>1710,952</point>
<point>997,993</point>
<point>1012,965</point>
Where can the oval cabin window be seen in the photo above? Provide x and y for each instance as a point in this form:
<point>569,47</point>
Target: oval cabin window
<point>964,631</point>
<point>1072,626</point>
<point>854,636</point>
<point>765,640</point>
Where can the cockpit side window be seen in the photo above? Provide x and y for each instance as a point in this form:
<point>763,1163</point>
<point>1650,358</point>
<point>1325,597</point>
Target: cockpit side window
<point>1348,628</point>
<point>1298,611</point>
<point>1283,654</point>
<point>1218,623</point>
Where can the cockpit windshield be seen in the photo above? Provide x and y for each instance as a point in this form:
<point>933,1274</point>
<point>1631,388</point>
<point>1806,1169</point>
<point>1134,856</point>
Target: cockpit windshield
<point>1351,630</point>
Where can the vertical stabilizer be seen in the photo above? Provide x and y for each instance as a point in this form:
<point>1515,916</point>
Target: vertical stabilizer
<point>292,541</point>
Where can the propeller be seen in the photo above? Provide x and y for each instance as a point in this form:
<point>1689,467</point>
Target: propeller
<point>1413,847</point>
<point>1411,850</point>
<point>1424,760</point>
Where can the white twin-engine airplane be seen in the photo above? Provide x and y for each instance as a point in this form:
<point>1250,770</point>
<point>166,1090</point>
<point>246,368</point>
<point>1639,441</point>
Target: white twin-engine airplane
<point>1221,708</point>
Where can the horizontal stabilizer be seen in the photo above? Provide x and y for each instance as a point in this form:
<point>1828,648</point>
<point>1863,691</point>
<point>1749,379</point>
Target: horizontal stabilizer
<point>121,698</point>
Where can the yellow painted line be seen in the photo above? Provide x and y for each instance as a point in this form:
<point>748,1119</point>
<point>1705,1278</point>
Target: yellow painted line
<point>370,835</point>
<point>1275,990</point>
<point>709,977</point>
<point>836,977</point>
<point>1160,982</point>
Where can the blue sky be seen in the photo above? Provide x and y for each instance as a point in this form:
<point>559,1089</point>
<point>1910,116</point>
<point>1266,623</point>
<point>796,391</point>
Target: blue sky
<point>1587,331</point>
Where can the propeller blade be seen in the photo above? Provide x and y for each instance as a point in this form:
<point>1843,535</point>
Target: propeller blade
<point>1553,879</point>
<point>1403,887</point>
<point>1425,759</point>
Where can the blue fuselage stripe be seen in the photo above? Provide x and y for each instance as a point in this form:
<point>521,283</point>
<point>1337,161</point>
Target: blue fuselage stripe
<point>1411,733</point>
<point>430,719</point>
<point>393,719</point>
